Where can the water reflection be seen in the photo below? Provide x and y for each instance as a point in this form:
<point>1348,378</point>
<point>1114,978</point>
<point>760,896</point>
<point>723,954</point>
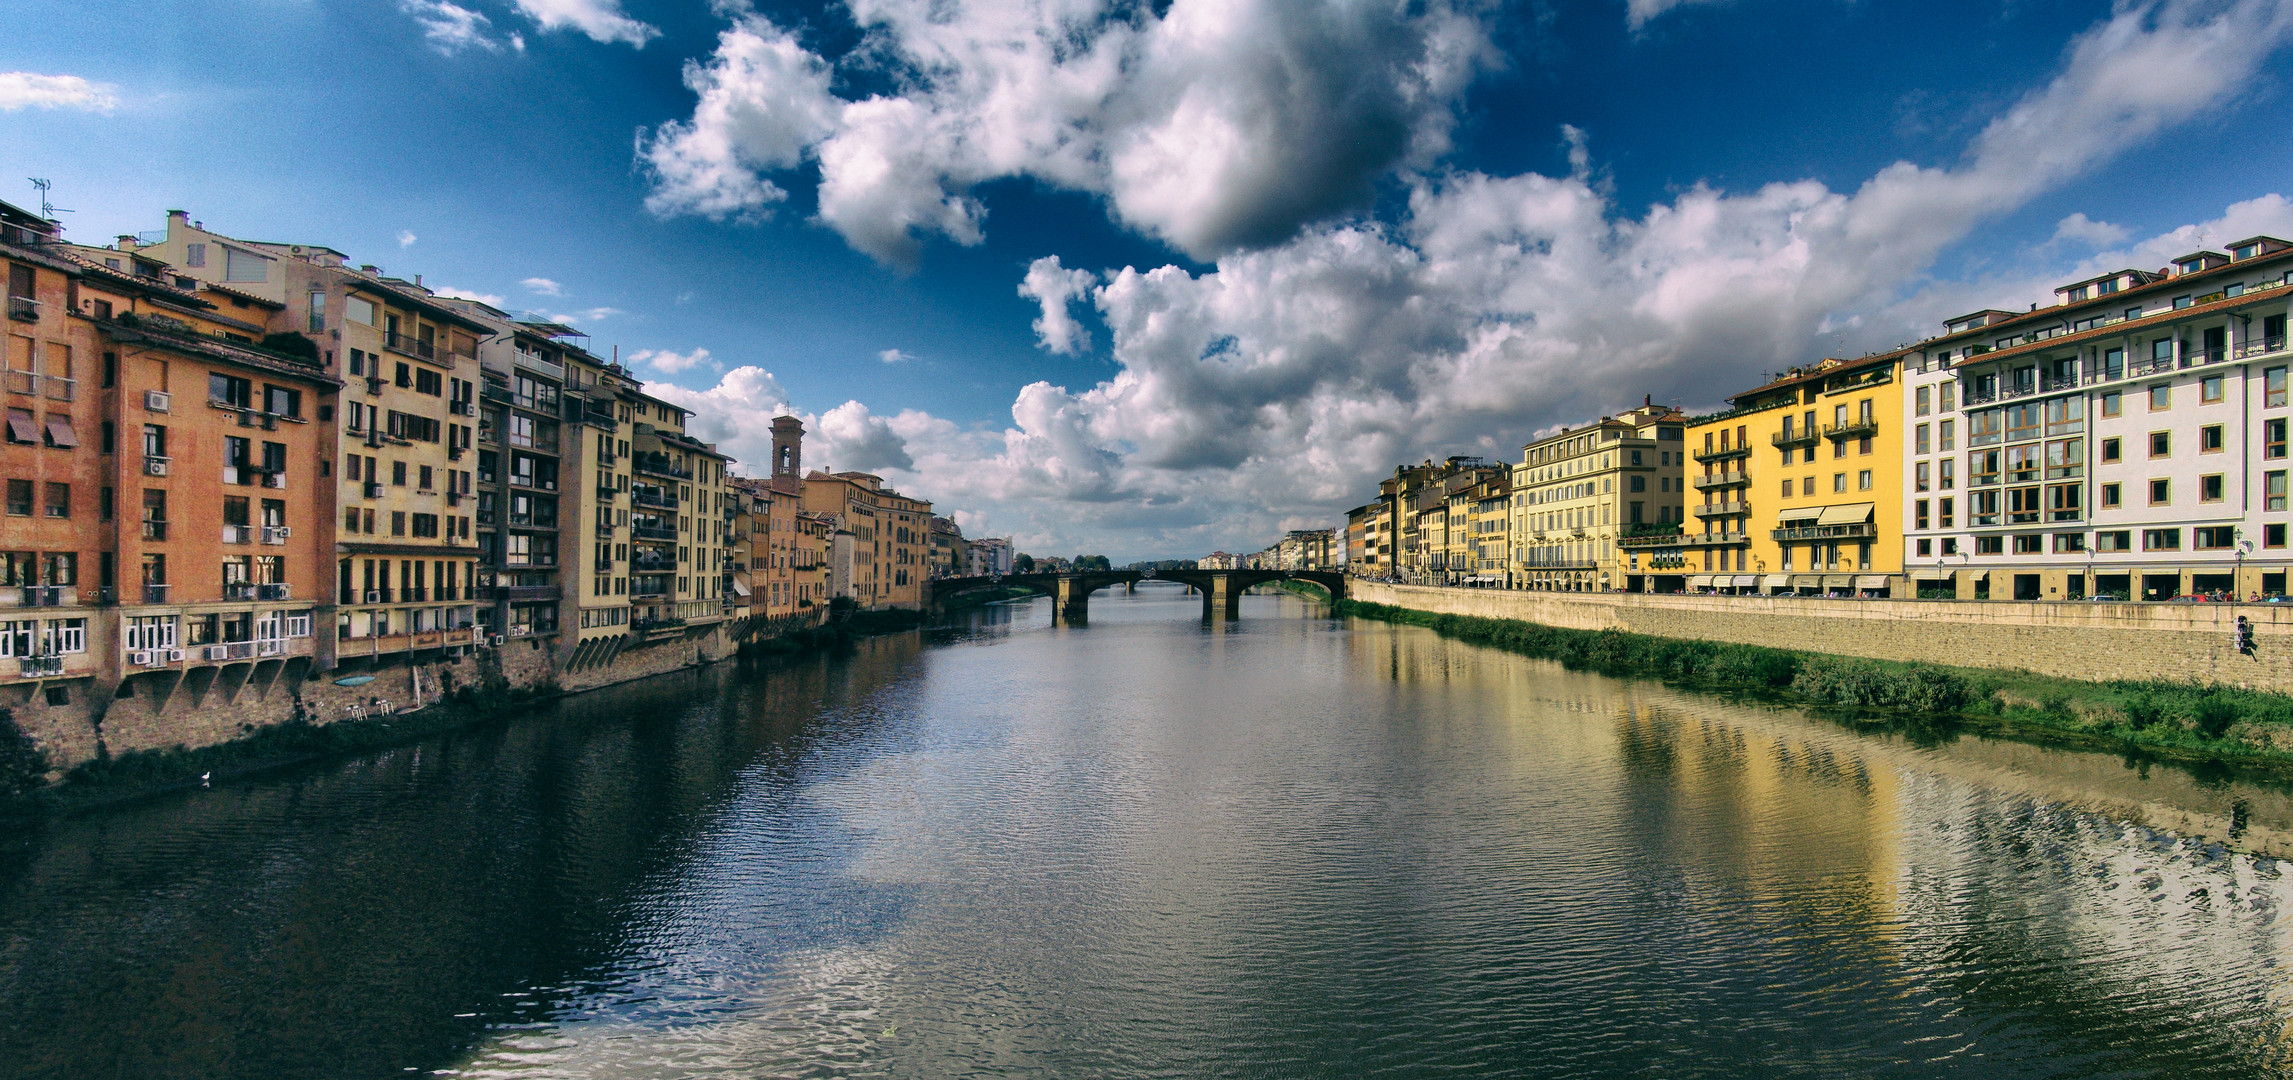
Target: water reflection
<point>1159,846</point>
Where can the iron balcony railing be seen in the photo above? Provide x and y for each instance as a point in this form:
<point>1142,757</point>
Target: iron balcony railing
<point>1861,531</point>
<point>2264,347</point>
<point>1794,437</point>
<point>33,667</point>
<point>1722,509</point>
<point>409,345</point>
<point>1853,429</point>
<point>1720,480</point>
<point>1723,454</point>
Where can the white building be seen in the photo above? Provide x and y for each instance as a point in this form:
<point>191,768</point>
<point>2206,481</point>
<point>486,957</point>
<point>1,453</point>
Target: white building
<point>988,556</point>
<point>2129,440</point>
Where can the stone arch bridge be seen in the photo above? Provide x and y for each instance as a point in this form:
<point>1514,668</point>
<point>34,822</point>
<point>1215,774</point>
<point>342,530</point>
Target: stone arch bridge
<point>1071,593</point>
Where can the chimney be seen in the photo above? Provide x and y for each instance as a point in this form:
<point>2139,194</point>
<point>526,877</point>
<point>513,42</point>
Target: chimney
<point>369,268</point>
<point>174,216</point>
<point>418,284</point>
<point>126,242</point>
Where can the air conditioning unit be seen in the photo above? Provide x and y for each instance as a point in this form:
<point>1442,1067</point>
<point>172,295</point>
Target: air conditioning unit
<point>275,480</point>
<point>373,437</point>
<point>283,531</point>
<point>270,422</point>
<point>461,408</point>
<point>374,489</point>
<point>230,474</point>
<point>496,640</point>
<point>157,401</point>
<point>174,656</point>
<point>155,466</point>
<point>140,658</point>
<point>218,652</point>
<point>373,596</point>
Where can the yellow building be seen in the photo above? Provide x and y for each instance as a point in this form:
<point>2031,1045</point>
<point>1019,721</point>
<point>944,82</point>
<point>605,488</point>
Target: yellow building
<point>1801,485</point>
<point>1577,494</point>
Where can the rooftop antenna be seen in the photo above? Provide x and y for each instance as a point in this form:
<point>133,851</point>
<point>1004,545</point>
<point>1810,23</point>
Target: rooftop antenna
<point>47,209</point>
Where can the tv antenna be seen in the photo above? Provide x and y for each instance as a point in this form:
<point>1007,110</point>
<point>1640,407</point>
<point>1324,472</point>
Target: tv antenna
<point>48,210</point>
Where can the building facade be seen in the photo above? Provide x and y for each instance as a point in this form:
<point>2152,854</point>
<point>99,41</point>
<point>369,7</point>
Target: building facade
<point>1577,492</point>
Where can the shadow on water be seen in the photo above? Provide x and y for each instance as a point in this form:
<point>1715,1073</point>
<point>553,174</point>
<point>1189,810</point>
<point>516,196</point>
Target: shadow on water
<point>363,917</point>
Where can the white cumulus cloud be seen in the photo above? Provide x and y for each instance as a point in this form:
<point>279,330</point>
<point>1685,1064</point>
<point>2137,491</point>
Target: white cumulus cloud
<point>406,238</point>
<point>31,90</point>
<point>1216,125</point>
<point>1056,287</point>
<point>542,286</point>
<point>669,360</point>
<point>894,356</point>
<point>2085,231</point>
<point>602,20</point>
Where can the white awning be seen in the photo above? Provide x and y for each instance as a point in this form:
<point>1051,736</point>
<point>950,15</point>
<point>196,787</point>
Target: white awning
<point>1700,581</point>
<point>1850,514</point>
<point>1776,581</point>
<point>1803,513</point>
<point>739,589</point>
<point>1870,581</point>
<point>1838,581</point>
<point>1747,581</point>
<point>1807,581</point>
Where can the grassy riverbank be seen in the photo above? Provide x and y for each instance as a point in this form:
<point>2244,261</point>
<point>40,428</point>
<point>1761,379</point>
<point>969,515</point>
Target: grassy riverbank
<point>2184,721</point>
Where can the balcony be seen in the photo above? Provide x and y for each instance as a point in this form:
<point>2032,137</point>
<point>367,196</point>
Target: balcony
<point>1724,453</point>
<point>664,533</point>
<point>274,590</point>
<point>229,650</point>
<point>238,590</point>
<point>1974,397</point>
<point>527,480</point>
<point>1650,538</point>
<point>23,309</point>
<point>516,593</point>
<point>62,389</point>
<point>2202,357</point>
<point>1790,438</point>
<point>660,500</point>
<point>2156,365</point>
<point>532,442</point>
<point>606,493</point>
<point>49,596</point>
<point>23,382</point>
<point>2264,347</point>
<point>1853,429</point>
<point>36,667</point>
<point>1860,531</point>
<point>276,535</point>
<point>1716,539</point>
<point>1721,509</point>
<point>1719,480</point>
<point>402,343</point>
<point>659,465</point>
<point>156,593</point>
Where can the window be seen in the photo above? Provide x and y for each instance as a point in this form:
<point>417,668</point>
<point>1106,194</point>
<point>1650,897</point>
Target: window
<point>2161,539</point>
<point>2161,397</point>
<point>243,265</point>
<point>2069,542</point>
<point>1984,428</point>
<point>1787,486</point>
<point>2161,444</point>
<point>1926,548</point>
<point>230,390</point>
<point>20,498</point>
<point>2113,366</point>
<point>2113,402</point>
<point>2022,421</point>
<point>59,501</point>
<point>2210,390</point>
<point>1946,428</point>
<point>398,523</point>
<point>1950,546</point>
<point>2273,439</point>
<point>2209,439</point>
<point>2161,492</point>
<point>358,310</point>
<point>429,382</point>
<point>426,525</point>
<point>1807,485</point>
<point>2213,537</point>
<point>1982,508</point>
<point>2110,451</point>
<point>2065,416</point>
<point>2209,488</point>
<point>1982,468</point>
<point>2022,463</point>
<point>1863,480</point>
<point>2273,388</point>
<point>1944,475</point>
<point>1919,481</point>
<point>398,474</point>
<point>1919,514</point>
<point>283,401</point>
<point>1944,393</point>
<point>1990,545</point>
<point>2273,489</point>
<point>2112,495</point>
<point>2029,544</point>
<point>1839,482</point>
<point>405,374</point>
<point>2065,502</point>
<point>1919,440</point>
<point>23,429</point>
<point>2022,505</point>
<point>1921,396</point>
<point>2117,540</point>
<point>2065,458</point>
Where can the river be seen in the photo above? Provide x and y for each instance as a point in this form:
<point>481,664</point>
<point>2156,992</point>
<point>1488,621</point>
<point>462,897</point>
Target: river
<point>1286,846</point>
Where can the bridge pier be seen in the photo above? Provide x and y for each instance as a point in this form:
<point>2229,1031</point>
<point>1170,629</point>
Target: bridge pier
<point>1223,598</point>
<point>1070,602</point>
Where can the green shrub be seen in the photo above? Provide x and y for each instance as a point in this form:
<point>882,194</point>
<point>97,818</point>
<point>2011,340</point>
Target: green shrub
<point>1841,680</point>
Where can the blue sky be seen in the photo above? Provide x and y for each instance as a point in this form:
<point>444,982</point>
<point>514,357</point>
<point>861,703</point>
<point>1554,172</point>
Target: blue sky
<point>1359,232</point>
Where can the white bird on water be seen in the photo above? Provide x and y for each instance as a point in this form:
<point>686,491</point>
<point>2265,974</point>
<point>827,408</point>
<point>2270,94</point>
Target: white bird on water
<point>203,778</point>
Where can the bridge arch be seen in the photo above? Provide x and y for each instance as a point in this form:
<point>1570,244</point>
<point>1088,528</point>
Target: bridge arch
<point>1070,593</point>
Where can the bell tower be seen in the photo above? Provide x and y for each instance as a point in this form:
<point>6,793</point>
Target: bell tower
<point>787,447</point>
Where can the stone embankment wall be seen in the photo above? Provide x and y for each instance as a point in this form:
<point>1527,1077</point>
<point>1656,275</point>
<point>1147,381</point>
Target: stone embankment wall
<point>203,705</point>
<point>2171,642</point>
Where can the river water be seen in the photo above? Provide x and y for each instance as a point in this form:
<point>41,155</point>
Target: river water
<point>1287,846</point>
